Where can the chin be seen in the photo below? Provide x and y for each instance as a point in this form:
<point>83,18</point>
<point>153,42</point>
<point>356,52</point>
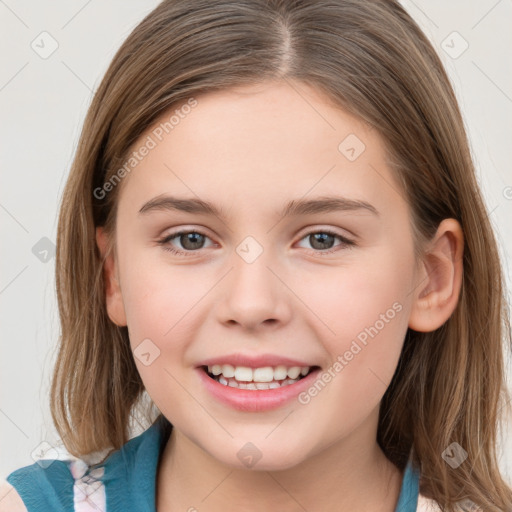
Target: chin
<point>259,456</point>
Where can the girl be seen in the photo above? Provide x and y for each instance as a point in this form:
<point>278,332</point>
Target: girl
<point>272,226</point>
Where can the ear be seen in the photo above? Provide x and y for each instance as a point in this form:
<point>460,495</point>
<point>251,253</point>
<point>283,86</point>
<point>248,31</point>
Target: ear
<point>114,298</point>
<point>439,278</point>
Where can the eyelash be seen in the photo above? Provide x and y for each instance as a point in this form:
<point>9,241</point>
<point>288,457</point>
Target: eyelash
<point>164,241</point>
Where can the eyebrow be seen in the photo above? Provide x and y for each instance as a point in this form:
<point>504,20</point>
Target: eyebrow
<point>323,204</point>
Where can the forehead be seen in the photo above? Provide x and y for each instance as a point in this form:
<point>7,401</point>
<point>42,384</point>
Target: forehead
<point>260,146</point>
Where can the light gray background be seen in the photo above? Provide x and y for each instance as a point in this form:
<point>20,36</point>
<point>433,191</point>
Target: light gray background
<point>43,103</point>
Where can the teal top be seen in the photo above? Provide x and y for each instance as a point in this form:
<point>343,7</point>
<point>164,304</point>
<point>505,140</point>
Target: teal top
<point>125,481</point>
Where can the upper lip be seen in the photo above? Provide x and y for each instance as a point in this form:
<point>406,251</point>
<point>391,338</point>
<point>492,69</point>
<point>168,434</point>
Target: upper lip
<point>255,361</point>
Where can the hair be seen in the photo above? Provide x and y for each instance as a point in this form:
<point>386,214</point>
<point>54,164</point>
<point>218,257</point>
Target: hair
<point>372,60</point>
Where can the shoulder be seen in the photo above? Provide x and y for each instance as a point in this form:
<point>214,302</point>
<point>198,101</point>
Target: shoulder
<point>10,500</point>
<point>69,483</point>
<point>46,485</point>
<point>428,505</point>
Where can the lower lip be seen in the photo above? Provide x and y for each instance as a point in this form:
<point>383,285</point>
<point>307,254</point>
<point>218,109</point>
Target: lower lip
<point>258,400</point>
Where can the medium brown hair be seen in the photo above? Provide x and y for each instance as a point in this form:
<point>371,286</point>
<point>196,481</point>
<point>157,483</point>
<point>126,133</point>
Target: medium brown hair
<point>372,60</point>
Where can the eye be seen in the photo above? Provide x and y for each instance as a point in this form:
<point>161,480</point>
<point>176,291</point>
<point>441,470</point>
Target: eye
<point>191,241</point>
<point>322,241</point>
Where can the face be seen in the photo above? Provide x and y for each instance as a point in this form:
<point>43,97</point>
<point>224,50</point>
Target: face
<point>256,284</point>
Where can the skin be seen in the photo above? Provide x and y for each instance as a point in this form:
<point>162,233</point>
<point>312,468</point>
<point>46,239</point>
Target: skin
<point>250,150</point>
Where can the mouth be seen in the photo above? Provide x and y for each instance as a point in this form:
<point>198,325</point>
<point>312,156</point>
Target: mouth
<point>264,378</point>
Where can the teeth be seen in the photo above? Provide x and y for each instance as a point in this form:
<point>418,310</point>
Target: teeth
<point>233,383</point>
<point>216,369</point>
<point>280,373</point>
<point>227,370</point>
<point>294,372</point>
<point>242,373</point>
<point>265,374</point>
<point>266,377</point>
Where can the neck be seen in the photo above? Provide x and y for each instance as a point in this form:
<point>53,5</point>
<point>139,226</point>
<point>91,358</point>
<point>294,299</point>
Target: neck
<point>337,478</point>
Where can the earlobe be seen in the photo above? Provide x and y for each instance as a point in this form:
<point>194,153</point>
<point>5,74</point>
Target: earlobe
<point>113,295</point>
<point>439,282</point>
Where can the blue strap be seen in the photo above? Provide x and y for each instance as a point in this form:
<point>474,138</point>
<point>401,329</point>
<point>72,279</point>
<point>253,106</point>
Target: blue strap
<point>130,473</point>
<point>408,499</point>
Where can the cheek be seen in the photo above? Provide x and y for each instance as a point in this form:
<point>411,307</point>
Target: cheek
<point>160,306</point>
<point>366,292</point>
<point>363,311</point>
<point>159,296</point>
<point>369,326</point>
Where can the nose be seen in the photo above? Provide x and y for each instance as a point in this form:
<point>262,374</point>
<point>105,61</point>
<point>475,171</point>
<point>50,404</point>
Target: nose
<point>254,294</point>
